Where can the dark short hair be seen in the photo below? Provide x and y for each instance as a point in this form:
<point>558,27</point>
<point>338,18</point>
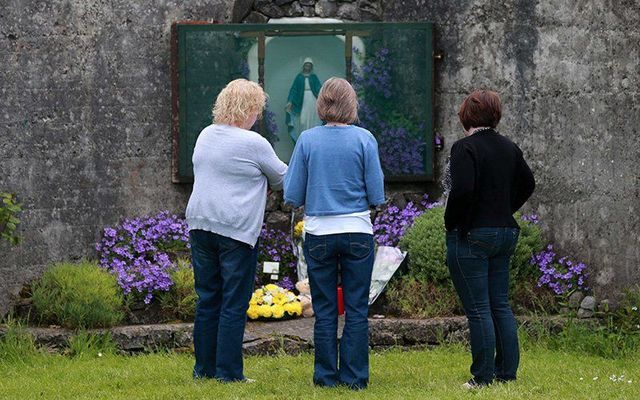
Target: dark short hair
<point>337,102</point>
<point>480,108</point>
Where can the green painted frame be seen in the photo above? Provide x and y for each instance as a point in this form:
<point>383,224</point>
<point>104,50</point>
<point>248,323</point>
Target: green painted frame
<point>181,154</point>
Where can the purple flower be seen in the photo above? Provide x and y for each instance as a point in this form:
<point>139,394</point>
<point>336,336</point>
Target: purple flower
<point>137,251</point>
<point>401,140</point>
<point>533,218</point>
<point>286,283</point>
<point>276,245</point>
<point>561,275</point>
<point>391,223</point>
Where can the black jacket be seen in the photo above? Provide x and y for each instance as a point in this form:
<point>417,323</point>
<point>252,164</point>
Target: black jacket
<point>490,180</point>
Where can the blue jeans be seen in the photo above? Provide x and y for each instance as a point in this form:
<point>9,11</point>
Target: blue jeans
<point>479,267</point>
<point>354,252</point>
<point>224,271</point>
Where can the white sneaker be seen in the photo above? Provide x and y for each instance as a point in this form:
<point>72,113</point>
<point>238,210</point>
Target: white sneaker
<point>471,385</point>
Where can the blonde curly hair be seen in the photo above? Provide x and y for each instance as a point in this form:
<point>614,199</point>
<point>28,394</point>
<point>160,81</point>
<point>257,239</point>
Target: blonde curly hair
<point>238,101</point>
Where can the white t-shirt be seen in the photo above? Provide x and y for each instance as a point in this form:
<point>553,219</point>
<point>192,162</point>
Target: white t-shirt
<point>358,222</point>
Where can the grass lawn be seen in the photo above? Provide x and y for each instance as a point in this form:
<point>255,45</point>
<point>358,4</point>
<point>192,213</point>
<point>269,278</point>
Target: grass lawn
<point>434,374</point>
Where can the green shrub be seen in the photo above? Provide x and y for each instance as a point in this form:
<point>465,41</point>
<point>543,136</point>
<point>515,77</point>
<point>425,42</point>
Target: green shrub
<point>86,344</point>
<point>180,300</point>
<point>16,345</point>
<point>425,242</point>
<point>9,209</point>
<point>417,298</point>
<point>527,297</point>
<point>529,243</point>
<point>78,296</point>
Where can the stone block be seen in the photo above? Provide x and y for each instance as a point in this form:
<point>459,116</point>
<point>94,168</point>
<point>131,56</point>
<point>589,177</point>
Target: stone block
<point>348,11</point>
<point>326,9</point>
<point>584,313</point>
<point>279,220</point>
<point>588,303</point>
<point>270,9</point>
<point>575,299</point>
<point>241,8</point>
<point>256,18</point>
<point>370,10</point>
<point>294,9</point>
<point>273,201</point>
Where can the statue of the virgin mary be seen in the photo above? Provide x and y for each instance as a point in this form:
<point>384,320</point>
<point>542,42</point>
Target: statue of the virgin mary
<point>301,103</point>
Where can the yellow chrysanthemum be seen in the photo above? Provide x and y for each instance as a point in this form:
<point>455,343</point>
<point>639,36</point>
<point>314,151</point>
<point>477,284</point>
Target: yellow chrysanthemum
<point>271,287</point>
<point>299,228</point>
<point>264,311</point>
<point>277,311</point>
<point>252,312</point>
<point>293,308</point>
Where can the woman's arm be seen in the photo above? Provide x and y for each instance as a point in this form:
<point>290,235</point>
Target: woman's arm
<point>295,182</point>
<point>373,175</point>
<point>463,171</point>
<point>271,166</point>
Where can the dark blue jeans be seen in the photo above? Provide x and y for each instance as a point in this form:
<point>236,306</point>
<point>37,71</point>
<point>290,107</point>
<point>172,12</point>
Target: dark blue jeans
<point>224,271</point>
<point>355,253</point>
<point>479,267</point>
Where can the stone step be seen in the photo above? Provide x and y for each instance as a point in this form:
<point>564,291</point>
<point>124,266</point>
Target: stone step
<point>291,336</point>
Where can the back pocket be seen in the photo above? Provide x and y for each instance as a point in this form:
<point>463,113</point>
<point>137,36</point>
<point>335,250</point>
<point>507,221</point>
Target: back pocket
<point>482,244</point>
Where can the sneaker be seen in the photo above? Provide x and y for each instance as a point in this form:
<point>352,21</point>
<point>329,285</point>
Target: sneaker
<point>471,384</point>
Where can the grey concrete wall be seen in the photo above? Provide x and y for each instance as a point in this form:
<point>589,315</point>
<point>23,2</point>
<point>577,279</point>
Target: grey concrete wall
<point>86,112</point>
<point>85,121</point>
<point>569,76</point>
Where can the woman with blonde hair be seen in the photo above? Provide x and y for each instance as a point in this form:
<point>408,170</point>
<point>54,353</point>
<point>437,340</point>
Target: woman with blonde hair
<point>232,168</point>
<point>335,173</point>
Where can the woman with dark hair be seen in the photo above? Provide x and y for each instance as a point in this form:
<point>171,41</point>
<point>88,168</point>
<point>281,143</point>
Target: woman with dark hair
<point>490,180</point>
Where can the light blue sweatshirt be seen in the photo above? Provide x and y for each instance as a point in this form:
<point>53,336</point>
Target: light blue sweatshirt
<point>335,170</point>
<point>231,168</point>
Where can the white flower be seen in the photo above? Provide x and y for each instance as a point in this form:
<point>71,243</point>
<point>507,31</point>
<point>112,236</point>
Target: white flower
<point>99,354</point>
<point>634,308</point>
<point>267,299</point>
<point>629,381</point>
<point>595,378</point>
<point>581,379</point>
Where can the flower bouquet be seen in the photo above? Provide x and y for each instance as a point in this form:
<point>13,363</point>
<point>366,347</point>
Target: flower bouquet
<point>273,302</point>
<point>298,238</point>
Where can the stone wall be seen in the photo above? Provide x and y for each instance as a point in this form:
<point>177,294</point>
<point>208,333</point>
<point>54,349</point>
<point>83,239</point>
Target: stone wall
<point>569,76</point>
<point>86,112</point>
<point>85,122</point>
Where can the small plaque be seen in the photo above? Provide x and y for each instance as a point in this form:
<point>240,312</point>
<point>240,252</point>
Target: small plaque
<point>270,267</point>
<point>274,277</point>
